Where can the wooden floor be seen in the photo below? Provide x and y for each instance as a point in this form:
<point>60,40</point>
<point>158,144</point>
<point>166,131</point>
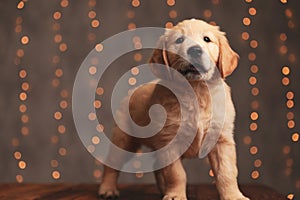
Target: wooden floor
<point>128,192</point>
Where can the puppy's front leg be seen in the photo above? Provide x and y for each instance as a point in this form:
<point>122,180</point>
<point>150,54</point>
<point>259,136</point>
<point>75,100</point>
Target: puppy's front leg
<point>175,181</point>
<point>223,162</point>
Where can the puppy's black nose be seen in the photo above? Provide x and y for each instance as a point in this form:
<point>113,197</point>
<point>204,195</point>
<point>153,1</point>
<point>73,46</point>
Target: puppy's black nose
<point>195,51</point>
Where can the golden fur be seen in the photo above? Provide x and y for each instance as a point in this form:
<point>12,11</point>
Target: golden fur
<point>172,179</point>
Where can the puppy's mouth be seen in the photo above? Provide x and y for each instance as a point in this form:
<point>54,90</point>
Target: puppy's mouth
<point>195,68</point>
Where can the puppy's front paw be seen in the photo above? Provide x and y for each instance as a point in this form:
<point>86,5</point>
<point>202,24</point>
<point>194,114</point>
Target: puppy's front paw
<point>108,192</point>
<point>174,197</point>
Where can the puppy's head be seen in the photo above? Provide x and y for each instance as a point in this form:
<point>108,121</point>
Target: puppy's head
<point>195,49</point>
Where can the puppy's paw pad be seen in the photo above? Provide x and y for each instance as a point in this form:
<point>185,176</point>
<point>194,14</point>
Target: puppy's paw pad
<point>108,193</point>
<point>174,197</point>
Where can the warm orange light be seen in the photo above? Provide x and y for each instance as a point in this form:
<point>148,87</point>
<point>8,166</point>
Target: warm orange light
<point>57,115</point>
<point>95,23</point>
<point>292,58</point>
<point>255,91</point>
<point>255,174</point>
<point>55,82</point>
<point>169,25</point>
<point>131,26</point>
<point>248,1</point>
<point>92,70</point>
<point>97,173</point>
<point>290,95</point>
<point>56,174</point>
<point>99,47</point>
<point>135,3</point>
<point>284,1</point>
<point>19,178</point>
<point>295,137</point>
<point>253,44</point>
<point>25,40</point>
<point>64,93</point>
<point>97,104</point>
<point>63,104</point>
<point>138,57</point>
<point>130,14</point>
<point>211,173</point>
<point>135,71</point>
<point>20,53</point>
<point>92,116</point>
<point>253,150</point>
<point>285,70</point>
<point>63,47</point>
<point>173,14</point>
<point>57,38</point>
<point>253,126</point>
<point>56,59</point>
<point>257,163</point>
<point>283,49</point>
<point>290,103</point>
<point>92,3</point>
<point>289,13</point>
<point>25,119</point>
<point>64,3</point>
<point>254,105</point>
<point>290,115</point>
<point>132,81</point>
<point>247,140</point>
<point>99,90</point>
<point>139,174</point>
<point>215,2</point>
<point>21,5</point>
<point>22,108</point>
<point>59,73</point>
<point>25,86</point>
<point>95,140</point>
<point>62,151</point>
<point>245,36</point>
<point>61,129</point>
<point>17,155</point>
<point>54,163</point>
<point>92,14</point>
<point>171,2</point>
<point>289,196</point>
<point>57,15</point>
<point>252,56</point>
<point>286,149</point>
<point>15,142</point>
<point>23,96</point>
<point>285,81</point>
<point>252,11</point>
<point>22,164</point>
<point>246,21</point>
<point>207,13</point>
<point>24,131</point>
<point>18,28</point>
<point>252,80</point>
<point>254,116</point>
<point>291,124</point>
<point>283,37</point>
<point>100,128</point>
<point>54,139</point>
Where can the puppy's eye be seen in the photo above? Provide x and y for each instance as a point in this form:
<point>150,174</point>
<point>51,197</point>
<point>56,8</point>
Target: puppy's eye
<point>179,40</point>
<point>206,39</point>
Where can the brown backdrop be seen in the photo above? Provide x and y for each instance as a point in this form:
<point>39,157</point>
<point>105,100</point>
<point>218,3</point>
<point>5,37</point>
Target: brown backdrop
<point>42,44</point>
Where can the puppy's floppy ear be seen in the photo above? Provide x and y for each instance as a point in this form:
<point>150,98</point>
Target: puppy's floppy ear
<point>159,56</point>
<point>228,59</point>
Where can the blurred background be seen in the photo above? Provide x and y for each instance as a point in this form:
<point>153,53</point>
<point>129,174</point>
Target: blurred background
<point>43,43</point>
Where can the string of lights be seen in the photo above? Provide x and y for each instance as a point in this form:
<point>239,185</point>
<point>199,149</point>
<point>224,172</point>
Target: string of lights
<point>23,41</point>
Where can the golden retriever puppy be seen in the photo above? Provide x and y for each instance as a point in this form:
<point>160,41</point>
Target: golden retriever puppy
<point>201,54</point>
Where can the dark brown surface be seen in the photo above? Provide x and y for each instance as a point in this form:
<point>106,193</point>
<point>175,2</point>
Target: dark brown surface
<point>128,192</point>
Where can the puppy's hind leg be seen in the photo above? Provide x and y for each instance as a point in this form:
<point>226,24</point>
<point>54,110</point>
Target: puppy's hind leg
<point>160,181</point>
<point>108,187</point>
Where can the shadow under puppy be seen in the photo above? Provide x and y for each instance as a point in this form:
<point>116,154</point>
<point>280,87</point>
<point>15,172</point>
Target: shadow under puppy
<point>201,54</point>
